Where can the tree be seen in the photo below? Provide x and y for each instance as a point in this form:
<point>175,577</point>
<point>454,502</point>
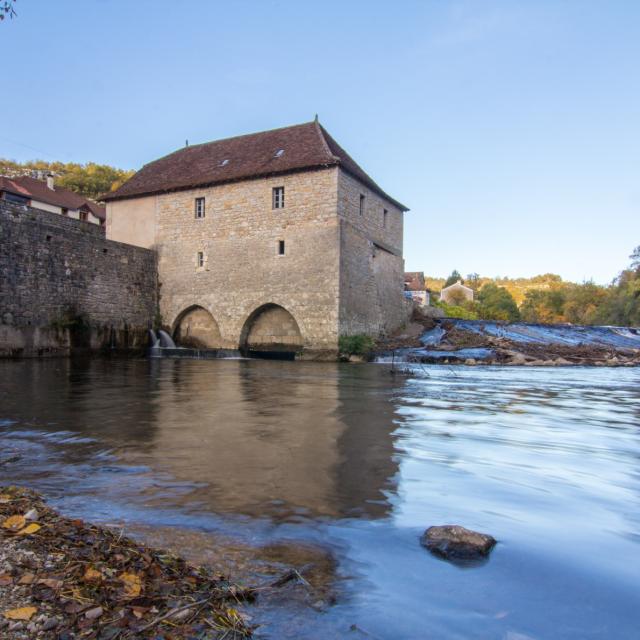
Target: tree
<point>635,259</point>
<point>542,305</point>
<point>473,281</point>
<point>7,9</point>
<point>457,297</point>
<point>496,303</point>
<point>453,278</point>
<point>582,302</point>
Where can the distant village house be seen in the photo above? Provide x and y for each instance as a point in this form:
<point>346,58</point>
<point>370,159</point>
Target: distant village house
<point>456,294</point>
<point>41,193</point>
<point>416,289</point>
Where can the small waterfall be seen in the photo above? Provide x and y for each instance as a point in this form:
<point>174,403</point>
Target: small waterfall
<point>166,340</point>
<point>155,341</point>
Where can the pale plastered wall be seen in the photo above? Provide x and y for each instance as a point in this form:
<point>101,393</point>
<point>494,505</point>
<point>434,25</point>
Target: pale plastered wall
<point>133,221</point>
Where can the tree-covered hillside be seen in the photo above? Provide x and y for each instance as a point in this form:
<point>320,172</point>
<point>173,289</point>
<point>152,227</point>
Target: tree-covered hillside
<point>90,180</point>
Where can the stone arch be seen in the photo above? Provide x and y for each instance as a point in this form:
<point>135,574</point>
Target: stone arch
<point>196,328</point>
<point>271,329</point>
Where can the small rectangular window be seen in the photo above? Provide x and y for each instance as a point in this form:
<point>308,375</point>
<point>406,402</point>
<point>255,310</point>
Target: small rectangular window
<point>280,247</point>
<point>199,207</point>
<point>385,213</point>
<point>200,259</point>
<point>361,205</point>
<point>278,198</point>
<point>84,216</point>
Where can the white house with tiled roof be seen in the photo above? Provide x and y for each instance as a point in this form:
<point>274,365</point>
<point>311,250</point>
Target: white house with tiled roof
<point>45,195</point>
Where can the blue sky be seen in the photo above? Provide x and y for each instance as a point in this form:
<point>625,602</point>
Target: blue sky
<point>510,127</point>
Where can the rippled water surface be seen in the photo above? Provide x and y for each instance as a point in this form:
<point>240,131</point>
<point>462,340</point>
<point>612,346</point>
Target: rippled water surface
<point>359,462</point>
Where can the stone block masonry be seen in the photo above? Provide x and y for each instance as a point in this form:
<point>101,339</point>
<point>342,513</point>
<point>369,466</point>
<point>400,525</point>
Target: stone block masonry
<point>63,285</point>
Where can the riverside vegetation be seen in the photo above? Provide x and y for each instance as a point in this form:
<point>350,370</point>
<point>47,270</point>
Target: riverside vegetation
<point>549,299</point>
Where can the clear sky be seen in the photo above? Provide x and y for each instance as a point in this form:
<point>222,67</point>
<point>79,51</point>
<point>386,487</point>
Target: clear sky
<point>511,128</point>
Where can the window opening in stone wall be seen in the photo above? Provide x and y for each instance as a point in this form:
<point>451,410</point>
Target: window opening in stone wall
<point>280,247</point>
<point>278,198</point>
<point>385,213</point>
<point>200,259</point>
<point>199,207</point>
<point>361,205</point>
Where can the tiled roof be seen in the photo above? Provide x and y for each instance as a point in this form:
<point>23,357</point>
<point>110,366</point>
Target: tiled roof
<point>414,281</point>
<point>58,197</point>
<point>297,148</point>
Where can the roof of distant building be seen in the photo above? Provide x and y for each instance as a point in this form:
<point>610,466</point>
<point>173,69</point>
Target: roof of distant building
<point>296,148</point>
<point>38,190</point>
<point>414,281</point>
<point>457,285</point>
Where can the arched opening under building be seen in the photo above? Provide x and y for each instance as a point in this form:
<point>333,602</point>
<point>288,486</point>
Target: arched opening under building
<point>196,328</point>
<point>271,332</point>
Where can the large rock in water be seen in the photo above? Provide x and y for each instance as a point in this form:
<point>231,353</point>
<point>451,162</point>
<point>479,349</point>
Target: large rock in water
<point>453,542</point>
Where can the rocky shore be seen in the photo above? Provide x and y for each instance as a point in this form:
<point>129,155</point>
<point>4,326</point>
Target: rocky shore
<point>62,578</point>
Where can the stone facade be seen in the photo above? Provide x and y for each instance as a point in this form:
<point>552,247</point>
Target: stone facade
<point>371,263</point>
<point>64,285</point>
<point>225,283</point>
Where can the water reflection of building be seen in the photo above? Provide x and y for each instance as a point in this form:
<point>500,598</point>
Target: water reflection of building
<point>262,438</point>
<point>279,439</point>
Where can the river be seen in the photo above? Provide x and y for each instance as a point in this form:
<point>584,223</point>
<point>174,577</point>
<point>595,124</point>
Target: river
<point>352,463</point>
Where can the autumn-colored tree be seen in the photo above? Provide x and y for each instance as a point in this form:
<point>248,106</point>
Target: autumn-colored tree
<point>90,180</point>
<point>582,302</point>
<point>545,306</point>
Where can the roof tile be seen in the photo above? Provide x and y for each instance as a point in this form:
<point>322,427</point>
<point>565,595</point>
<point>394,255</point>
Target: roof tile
<point>305,146</point>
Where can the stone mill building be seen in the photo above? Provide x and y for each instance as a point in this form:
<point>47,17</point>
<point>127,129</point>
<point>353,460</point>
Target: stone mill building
<point>274,241</point>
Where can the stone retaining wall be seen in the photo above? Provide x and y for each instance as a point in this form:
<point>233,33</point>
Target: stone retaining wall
<point>64,286</point>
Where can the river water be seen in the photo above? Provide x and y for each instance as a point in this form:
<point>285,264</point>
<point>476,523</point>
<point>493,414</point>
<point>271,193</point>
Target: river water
<point>356,462</point>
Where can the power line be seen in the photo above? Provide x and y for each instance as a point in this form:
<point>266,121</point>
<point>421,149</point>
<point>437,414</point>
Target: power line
<point>26,146</point>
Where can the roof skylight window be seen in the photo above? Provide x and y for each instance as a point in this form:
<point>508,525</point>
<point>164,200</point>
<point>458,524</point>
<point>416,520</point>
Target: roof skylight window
<point>224,162</point>
<point>279,153</point>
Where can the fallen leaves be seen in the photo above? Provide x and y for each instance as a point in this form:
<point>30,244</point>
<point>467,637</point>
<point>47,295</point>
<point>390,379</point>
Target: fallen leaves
<point>29,529</point>
<point>95,583</point>
<point>14,523</point>
<point>23,613</point>
<point>132,584</point>
<point>91,575</point>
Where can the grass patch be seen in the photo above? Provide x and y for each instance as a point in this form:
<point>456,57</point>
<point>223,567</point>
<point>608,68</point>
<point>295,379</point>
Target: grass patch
<point>356,345</point>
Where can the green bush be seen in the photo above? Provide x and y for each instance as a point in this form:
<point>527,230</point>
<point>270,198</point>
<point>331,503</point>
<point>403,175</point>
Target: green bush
<point>357,345</point>
<point>453,311</point>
